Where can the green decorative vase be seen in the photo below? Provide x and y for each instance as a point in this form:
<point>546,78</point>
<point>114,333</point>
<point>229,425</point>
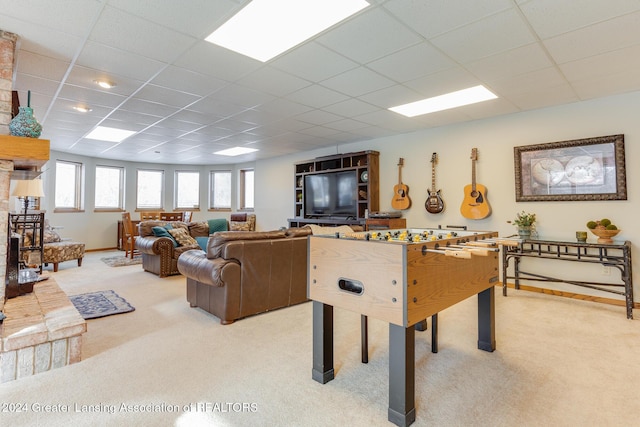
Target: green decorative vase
<point>25,124</point>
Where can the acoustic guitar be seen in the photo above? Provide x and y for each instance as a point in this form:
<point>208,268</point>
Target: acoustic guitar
<point>434,203</point>
<point>401,198</point>
<point>475,204</point>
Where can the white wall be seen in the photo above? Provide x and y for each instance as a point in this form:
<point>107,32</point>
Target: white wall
<point>495,139</point>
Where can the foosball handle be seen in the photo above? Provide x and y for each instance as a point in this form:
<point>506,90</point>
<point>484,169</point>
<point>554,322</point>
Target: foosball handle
<point>458,254</point>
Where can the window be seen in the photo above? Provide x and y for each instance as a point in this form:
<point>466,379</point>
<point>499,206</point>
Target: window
<point>220,190</point>
<point>149,189</point>
<point>246,189</point>
<point>68,191</point>
<point>109,188</point>
<point>187,190</point>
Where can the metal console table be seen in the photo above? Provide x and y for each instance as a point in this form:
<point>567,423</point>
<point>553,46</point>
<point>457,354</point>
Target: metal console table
<point>617,255</point>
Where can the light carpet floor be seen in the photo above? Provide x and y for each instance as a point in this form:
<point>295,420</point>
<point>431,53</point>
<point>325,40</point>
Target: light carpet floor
<point>559,362</point>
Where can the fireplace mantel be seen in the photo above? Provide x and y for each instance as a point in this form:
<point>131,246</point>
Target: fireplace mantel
<point>26,153</point>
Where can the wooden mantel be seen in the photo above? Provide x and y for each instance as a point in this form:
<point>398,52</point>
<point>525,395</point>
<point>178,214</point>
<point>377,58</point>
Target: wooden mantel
<point>26,153</point>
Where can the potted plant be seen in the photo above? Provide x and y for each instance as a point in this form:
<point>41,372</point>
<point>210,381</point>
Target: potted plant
<point>526,223</point>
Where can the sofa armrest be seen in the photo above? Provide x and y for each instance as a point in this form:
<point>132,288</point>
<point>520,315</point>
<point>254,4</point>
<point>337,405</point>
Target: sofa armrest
<point>153,245</point>
<point>195,265</point>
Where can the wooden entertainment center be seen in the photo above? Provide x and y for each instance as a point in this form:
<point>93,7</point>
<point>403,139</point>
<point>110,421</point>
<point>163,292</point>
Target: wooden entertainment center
<point>366,165</point>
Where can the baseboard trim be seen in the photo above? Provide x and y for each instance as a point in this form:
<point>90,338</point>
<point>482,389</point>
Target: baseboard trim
<point>102,249</point>
<point>565,294</point>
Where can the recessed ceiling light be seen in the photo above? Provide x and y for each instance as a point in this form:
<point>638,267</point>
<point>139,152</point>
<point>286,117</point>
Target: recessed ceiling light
<point>105,84</point>
<point>445,102</point>
<point>82,109</point>
<point>235,151</point>
<point>266,28</point>
<point>104,133</point>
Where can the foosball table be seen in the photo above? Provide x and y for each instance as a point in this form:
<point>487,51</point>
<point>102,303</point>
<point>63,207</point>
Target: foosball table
<point>401,277</point>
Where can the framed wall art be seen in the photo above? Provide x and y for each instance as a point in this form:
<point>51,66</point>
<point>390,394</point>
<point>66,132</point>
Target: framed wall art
<point>581,169</point>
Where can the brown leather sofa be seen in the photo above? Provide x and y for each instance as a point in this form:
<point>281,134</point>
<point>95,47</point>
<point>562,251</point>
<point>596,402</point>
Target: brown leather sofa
<point>245,273</point>
<point>159,254</point>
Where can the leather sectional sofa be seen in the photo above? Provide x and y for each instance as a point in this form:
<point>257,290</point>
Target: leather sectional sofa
<point>245,273</point>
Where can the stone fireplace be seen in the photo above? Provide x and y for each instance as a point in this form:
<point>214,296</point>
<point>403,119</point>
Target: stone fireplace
<point>42,329</point>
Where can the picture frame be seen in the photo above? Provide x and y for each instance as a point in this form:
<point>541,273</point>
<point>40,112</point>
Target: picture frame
<point>576,170</point>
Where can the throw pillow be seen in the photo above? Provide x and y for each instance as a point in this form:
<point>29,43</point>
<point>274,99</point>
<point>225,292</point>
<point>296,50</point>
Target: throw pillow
<point>164,232</point>
<point>199,229</point>
<point>240,226</point>
<point>202,241</point>
<point>218,224</point>
<point>51,236</point>
<point>182,237</point>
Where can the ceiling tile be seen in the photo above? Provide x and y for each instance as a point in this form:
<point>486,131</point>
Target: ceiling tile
<point>317,96</point>
<point>212,60</point>
<point>599,38</point>
<point>551,17</point>
<point>182,80</point>
<point>510,63</point>
<point>357,82</point>
<point>485,37</point>
<point>391,96</point>
<point>433,17</point>
<point>162,95</point>
<point>313,62</point>
<point>443,82</point>
<point>118,62</point>
<point>371,35</point>
<point>417,61</point>
<point>273,81</point>
<point>135,35</point>
<point>180,16</point>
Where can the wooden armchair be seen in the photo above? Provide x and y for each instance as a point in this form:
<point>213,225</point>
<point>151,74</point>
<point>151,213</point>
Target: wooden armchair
<point>171,216</point>
<point>150,216</point>
<point>128,236</point>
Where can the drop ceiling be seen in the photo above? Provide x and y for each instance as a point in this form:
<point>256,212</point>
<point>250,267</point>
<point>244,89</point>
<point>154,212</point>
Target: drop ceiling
<point>186,98</point>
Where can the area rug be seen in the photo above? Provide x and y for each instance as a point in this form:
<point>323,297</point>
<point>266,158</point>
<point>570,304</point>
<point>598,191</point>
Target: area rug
<point>121,261</point>
<point>100,304</point>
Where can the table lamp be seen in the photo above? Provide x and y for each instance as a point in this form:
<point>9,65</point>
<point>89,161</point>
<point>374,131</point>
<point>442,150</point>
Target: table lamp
<point>28,188</point>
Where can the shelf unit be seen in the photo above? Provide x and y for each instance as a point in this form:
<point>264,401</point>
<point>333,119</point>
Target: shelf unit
<point>367,167</point>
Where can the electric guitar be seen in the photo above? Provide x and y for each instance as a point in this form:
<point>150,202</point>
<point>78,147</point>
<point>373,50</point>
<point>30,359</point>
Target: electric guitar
<point>401,198</point>
<point>434,203</point>
<point>475,204</point>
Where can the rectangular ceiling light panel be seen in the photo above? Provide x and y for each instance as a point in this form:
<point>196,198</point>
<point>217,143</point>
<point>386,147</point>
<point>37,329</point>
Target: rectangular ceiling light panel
<point>235,151</point>
<point>265,28</point>
<point>445,102</point>
<point>104,133</point>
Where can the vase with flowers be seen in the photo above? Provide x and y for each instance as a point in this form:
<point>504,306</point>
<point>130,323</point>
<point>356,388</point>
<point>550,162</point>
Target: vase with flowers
<point>526,223</point>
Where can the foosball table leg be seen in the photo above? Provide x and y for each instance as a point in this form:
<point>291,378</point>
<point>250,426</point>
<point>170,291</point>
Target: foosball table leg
<point>420,326</point>
<point>434,333</point>
<point>364,338</point>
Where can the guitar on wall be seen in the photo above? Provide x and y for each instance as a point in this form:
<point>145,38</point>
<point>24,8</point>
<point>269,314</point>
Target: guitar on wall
<point>401,198</point>
<point>434,203</point>
<point>475,204</point>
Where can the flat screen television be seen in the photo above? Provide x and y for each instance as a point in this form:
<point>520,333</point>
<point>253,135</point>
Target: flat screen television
<point>331,194</point>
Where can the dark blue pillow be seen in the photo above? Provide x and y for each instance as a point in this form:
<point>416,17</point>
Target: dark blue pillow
<point>162,232</point>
